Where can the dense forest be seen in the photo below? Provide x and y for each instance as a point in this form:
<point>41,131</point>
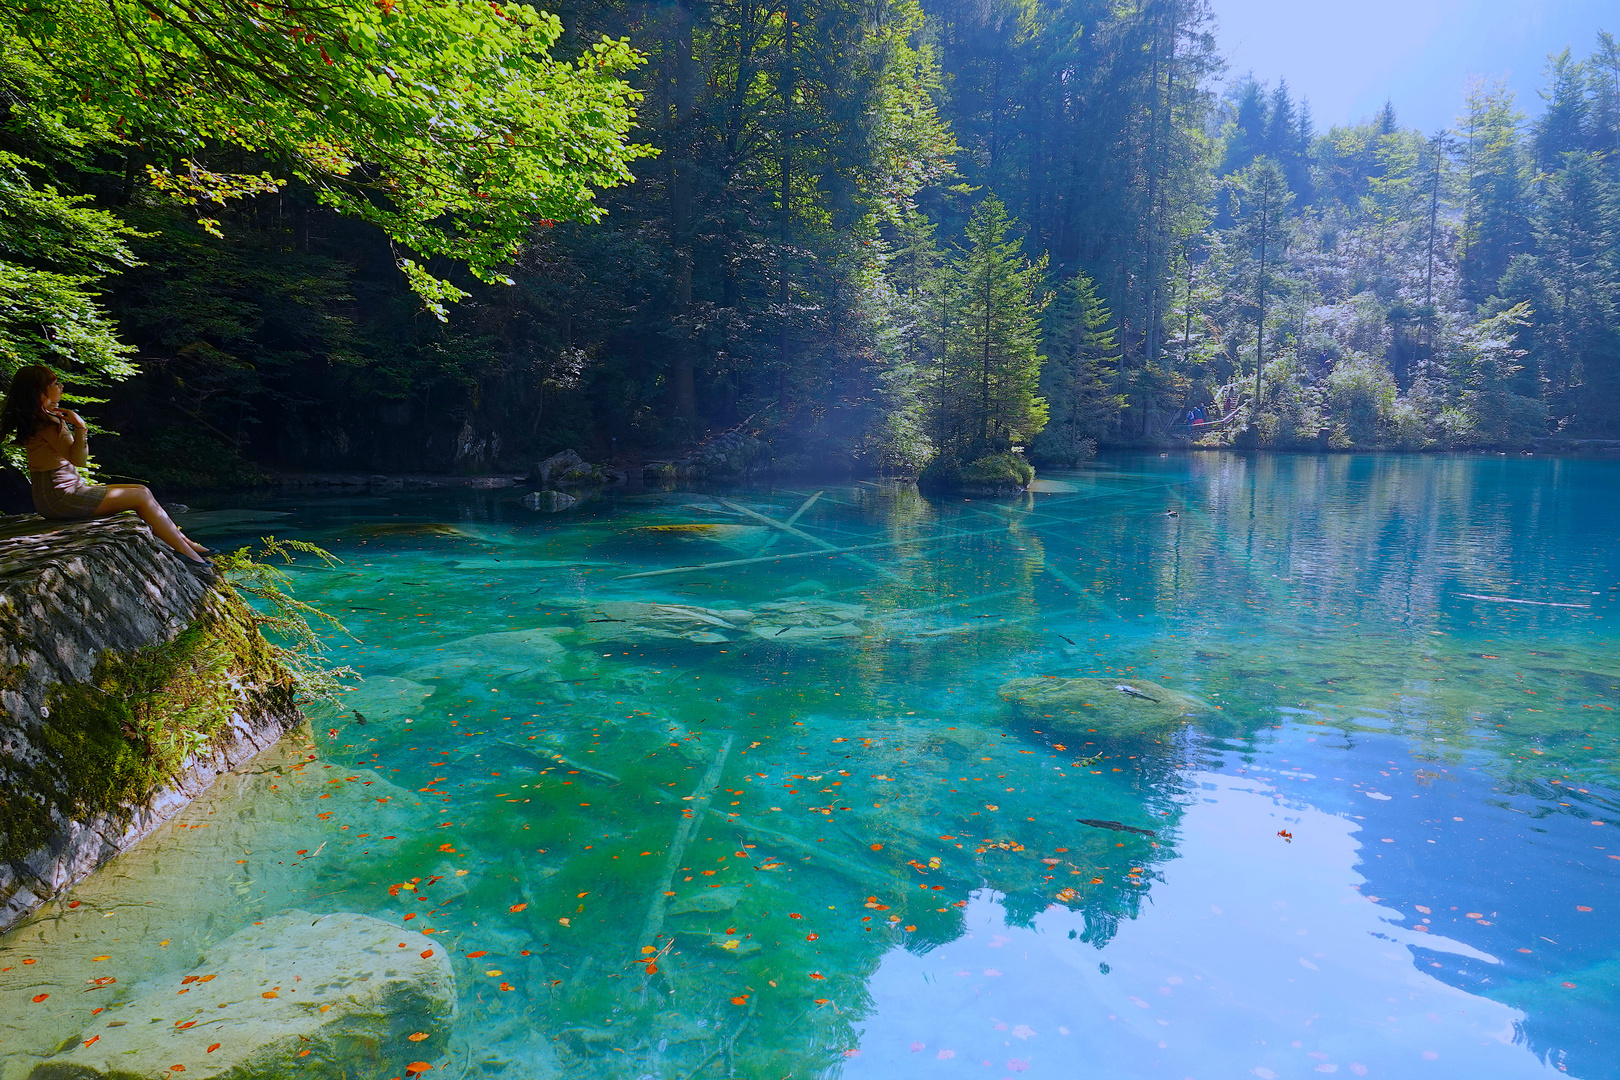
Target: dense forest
<point>886,236</point>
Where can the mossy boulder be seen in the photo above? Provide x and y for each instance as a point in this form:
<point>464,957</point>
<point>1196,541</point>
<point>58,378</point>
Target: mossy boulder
<point>992,474</point>
<point>338,995</point>
<point>127,684</point>
<point>1110,706</point>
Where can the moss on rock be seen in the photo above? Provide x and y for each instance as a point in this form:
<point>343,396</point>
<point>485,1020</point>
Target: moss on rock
<point>113,740</point>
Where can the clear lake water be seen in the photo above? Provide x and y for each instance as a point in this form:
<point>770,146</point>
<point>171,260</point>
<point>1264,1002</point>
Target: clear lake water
<point>1312,769</point>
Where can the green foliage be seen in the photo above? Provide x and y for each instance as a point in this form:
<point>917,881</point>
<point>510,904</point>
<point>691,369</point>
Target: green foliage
<point>985,393</point>
<point>1081,344</point>
<point>446,123</point>
<point>286,624</point>
<point>53,251</point>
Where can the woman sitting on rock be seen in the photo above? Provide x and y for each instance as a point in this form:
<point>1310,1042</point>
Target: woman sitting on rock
<point>56,443</point>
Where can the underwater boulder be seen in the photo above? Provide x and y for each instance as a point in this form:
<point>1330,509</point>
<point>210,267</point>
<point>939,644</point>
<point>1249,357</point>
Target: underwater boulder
<point>1111,706</point>
<point>809,621</point>
<point>549,502</point>
<point>334,996</point>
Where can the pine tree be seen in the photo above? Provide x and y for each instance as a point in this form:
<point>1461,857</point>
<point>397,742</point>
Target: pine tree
<point>987,393</point>
<point>1263,233</point>
<point>1495,225</point>
<point>1082,354</point>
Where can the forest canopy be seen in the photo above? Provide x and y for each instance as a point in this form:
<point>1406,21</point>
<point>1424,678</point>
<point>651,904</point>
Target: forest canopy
<point>875,236</point>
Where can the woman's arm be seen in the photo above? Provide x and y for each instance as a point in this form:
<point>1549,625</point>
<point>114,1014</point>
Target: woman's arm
<point>70,440</point>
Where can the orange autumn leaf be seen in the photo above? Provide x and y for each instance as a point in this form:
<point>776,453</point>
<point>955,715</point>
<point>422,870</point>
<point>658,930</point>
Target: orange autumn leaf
<point>515,908</point>
<point>417,1067</point>
<point>213,1047</point>
<point>177,1068</point>
<point>92,1039</point>
<point>652,969</point>
<point>740,999</point>
<point>183,1025</point>
<point>1096,881</point>
<point>269,994</point>
<point>37,998</point>
<point>98,959</point>
<point>817,975</point>
<point>426,953</point>
<point>811,937</point>
<point>794,915</point>
<point>877,847</point>
<point>476,955</point>
<point>207,978</point>
<point>417,1036</point>
<point>506,986</point>
<point>821,1001</point>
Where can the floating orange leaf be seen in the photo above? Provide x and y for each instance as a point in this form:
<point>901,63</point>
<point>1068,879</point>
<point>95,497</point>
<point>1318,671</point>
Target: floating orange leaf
<point>821,1001</point>
<point>476,955</point>
<point>426,953</point>
<point>811,937</point>
<point>417,1036</point>
<point>97,959</point>
<point>794,915</point>
<point>185,1024</point>
<point>417,1067</point>
<point>740,999</point>
<point>817,975</point>
<point>269,994</point>
<point>213,1047</point>
<point>877,847</point>
<point>37,998</point>
<point>506,986</point>
<point>92,1039</point>
<point>207,978</point>
<point>177,1068</point>
<point>1096,881</point>
<point>515,908</point>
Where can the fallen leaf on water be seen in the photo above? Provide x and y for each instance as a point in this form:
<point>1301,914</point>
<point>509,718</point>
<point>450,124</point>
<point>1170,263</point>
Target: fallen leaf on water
<point>877,847</point>
<point>817,975</point>
<point>207,978</point>
<point>821,1001</point>
<point>92,1039</point>
<point>417,1067</point>
<point>476,955</point>
<point>269,994</point>
<point>564,920</point>
<point>183,1025</point>
<point>37,998</point>
<point>740,999</point>
<point>212,1048</point>
<point>515,908</point>
<point>794,915</point>
<point>494,973</point>
<point>1096,881</point>
<point>506,986</point>
<point>417,1036</point>
<point>811,937</point>
<point>325,1008</point>
<point>97,959</point>
<point>426,953</point>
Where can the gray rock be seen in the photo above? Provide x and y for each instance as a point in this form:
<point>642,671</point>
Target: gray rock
<point>708,901</point>
<point>1111,706</point>
<point>564,468</point>
<point>330,996</point>
<point>69,594</point>
<point>549,502</point>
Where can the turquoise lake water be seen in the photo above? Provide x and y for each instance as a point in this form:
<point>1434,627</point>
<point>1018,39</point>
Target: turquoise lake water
<point>1367,826</point>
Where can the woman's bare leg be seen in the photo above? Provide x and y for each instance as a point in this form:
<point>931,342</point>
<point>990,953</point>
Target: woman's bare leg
<point>137,498</point>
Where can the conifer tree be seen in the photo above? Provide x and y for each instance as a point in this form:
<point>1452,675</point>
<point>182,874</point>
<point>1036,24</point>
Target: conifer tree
<point>1263,231</point>
<point>1082,353</point>
<point>987,393</point>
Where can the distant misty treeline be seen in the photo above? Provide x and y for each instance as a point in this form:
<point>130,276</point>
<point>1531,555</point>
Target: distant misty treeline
<point>890,233</point>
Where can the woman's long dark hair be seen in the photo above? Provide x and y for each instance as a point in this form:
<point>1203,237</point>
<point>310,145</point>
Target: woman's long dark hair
<point>22,416</point>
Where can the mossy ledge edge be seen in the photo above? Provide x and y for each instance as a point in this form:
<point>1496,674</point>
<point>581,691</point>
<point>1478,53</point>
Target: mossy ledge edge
<point>128,684</point>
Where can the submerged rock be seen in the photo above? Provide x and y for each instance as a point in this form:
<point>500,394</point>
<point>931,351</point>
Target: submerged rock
<point>327,996</point>
<point>708,902</point>
<point>1112,706</point>
<point>783,622</point>
<point>549,501</point>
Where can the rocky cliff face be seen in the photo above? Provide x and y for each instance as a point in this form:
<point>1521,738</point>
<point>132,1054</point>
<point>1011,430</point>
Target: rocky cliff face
<point>128,683</point>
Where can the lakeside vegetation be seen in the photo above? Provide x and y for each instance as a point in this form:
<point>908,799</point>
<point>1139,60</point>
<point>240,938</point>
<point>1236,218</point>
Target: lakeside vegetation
<point>889,237</point>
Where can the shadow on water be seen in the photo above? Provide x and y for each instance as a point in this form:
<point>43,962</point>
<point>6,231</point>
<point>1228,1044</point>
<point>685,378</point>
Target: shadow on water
<point>763,818</point>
